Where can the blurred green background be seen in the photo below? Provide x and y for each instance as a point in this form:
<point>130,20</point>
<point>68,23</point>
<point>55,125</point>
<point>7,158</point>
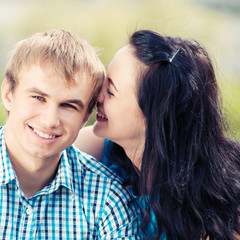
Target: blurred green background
<point>106,24</point>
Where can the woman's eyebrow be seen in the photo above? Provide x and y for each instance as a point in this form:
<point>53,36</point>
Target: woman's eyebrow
<point>112,83</point>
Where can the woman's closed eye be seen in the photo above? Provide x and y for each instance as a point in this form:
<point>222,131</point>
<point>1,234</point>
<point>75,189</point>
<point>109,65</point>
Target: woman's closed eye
<point>109,92</point>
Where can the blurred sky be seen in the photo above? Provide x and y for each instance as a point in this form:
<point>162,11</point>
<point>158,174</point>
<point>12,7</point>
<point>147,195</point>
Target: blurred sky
<point>107,23</point>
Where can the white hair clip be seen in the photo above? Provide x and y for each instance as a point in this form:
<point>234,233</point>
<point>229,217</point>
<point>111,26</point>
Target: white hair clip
<point>174,55</point>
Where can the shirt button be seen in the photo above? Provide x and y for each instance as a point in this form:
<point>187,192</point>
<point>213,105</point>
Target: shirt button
<point>28,211</point>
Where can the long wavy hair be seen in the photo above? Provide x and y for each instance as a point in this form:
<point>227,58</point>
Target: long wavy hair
<point>190,170</point>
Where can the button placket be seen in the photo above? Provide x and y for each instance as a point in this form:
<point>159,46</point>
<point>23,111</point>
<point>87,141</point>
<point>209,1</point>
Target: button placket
<point>28,211</point>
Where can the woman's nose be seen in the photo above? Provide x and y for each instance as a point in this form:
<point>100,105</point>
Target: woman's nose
<point>101,95</point>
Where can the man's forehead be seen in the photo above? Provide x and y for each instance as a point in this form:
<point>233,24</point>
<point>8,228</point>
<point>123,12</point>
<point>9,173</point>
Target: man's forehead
<point>61,72</point>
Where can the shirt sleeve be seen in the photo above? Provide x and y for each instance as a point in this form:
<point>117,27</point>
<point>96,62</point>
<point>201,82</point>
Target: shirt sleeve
<point>120,218</point>
<point>108,160</point>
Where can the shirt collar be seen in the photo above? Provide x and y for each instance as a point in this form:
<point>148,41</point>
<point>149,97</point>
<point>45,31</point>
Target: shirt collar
<point>64,175</point>
<point>7,173</point>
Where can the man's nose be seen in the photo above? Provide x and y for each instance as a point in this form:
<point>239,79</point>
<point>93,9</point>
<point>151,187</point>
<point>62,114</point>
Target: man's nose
<point>50,117</point>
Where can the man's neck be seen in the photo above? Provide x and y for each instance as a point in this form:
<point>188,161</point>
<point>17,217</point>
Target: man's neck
<point>33,177</point>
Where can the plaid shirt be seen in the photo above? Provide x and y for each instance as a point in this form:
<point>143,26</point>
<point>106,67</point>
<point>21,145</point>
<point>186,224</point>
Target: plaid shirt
<point>84,201</point>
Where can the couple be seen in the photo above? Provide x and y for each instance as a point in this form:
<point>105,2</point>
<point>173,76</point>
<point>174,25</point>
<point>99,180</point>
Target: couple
<point>158,106</point>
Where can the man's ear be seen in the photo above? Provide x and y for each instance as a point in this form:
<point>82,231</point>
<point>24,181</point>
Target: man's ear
<point>6,94</point>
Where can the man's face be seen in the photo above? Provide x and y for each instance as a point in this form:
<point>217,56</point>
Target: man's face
<point>45,113</point>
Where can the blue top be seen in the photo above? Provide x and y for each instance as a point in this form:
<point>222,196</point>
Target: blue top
<point>84,201</point>
<point>152,227</point>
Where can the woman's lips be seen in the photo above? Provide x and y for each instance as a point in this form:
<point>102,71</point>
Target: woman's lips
<point>101,117</point>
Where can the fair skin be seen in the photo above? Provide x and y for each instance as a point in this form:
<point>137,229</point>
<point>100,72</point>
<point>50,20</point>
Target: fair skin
<point>42,123</point>
<point>119,117</point>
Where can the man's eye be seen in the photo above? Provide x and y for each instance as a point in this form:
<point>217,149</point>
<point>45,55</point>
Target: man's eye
<point>109,92</point>
<point>38,98</point>
<point>67,105</point>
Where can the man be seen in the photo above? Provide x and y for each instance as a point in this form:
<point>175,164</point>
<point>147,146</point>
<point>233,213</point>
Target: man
<point>49,190</point>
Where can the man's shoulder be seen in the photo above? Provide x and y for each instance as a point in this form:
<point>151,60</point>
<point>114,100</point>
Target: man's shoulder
<point>1,131</point>
<point>87,163</point>
<point>1,134</point>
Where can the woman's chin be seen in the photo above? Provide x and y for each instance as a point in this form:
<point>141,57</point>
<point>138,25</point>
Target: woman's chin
<point>98,130</point>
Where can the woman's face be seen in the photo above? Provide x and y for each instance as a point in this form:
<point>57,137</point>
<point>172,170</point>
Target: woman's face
<point>119,117</point>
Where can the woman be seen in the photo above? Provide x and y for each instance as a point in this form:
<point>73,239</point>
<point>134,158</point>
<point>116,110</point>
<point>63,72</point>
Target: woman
<point>160,107</point>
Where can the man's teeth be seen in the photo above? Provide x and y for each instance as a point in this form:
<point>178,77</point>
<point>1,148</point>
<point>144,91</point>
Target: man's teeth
<point>43,135</point>
<point>101,115</point>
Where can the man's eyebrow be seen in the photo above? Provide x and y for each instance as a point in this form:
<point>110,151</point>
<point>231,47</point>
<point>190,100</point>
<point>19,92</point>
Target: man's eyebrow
<point>112,83</point>
<point>36,91</point>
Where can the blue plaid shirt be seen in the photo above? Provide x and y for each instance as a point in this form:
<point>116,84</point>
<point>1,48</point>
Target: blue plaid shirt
<point>84,201</point>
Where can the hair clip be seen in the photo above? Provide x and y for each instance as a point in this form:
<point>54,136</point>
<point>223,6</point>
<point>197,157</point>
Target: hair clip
<point>174,55</point>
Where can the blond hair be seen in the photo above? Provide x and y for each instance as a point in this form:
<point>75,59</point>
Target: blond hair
<point>68,53</point>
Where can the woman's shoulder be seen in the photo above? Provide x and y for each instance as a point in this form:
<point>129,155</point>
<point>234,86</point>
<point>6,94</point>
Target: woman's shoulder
<point>89,143</point>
